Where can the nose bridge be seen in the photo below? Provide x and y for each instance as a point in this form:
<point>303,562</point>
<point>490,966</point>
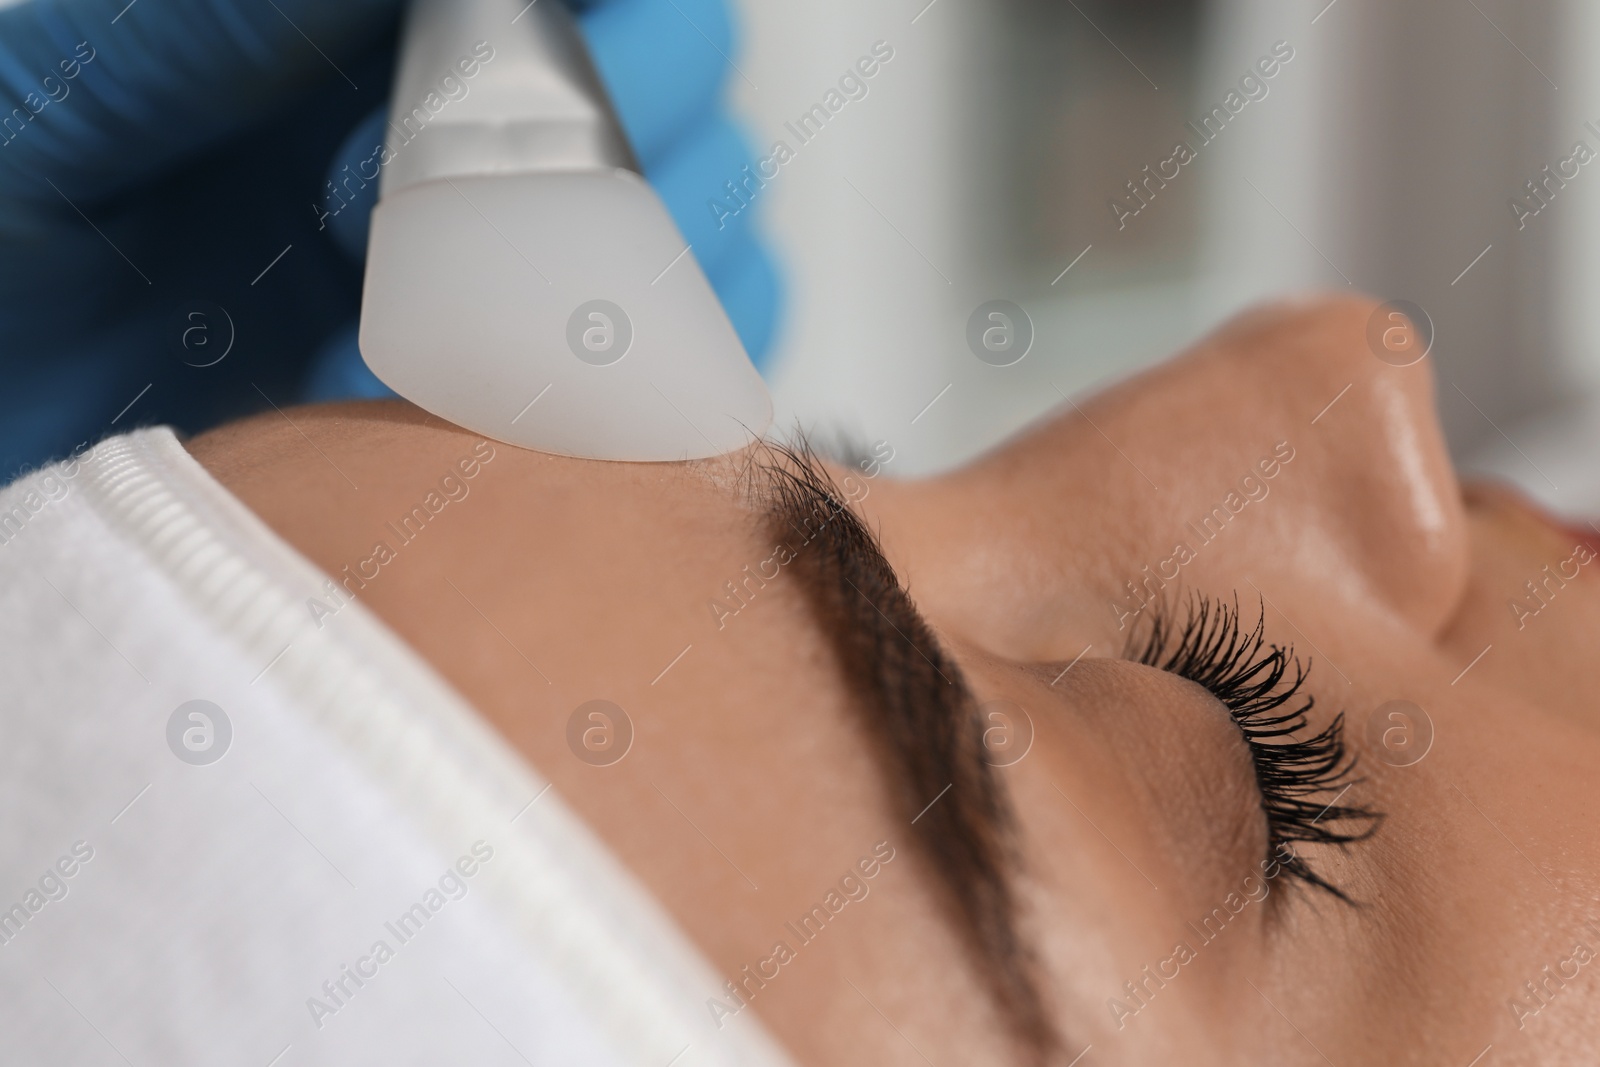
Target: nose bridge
<point>1284,449</point>
<point>1280,450</point>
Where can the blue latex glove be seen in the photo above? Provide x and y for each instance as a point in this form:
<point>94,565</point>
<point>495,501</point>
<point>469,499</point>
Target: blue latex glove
<point>161,181</point>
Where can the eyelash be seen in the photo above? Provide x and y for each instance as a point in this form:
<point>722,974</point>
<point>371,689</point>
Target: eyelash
<point>1258,682</point>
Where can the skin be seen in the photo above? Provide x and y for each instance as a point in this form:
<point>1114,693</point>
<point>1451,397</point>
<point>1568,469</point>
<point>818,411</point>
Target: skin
<point>1138,811</point>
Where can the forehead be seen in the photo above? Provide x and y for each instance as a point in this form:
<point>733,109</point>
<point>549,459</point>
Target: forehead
<point>630,566</point>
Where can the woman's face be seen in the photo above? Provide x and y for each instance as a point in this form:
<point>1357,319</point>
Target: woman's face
<point>1282,463</point>
<point>1279,464</point>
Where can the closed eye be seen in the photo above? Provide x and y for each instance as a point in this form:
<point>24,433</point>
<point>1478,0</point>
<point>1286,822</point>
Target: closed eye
<point>1301,779</point>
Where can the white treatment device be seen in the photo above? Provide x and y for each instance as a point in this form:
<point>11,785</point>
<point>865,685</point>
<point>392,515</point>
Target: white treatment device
<point>522,279</point>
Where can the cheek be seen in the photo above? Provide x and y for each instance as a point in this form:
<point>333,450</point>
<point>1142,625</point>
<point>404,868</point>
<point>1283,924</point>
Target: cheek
<point>1543,637</point>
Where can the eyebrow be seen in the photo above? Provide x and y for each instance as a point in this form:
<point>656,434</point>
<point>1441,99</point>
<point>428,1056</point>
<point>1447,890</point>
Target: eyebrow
<point>923,719</point>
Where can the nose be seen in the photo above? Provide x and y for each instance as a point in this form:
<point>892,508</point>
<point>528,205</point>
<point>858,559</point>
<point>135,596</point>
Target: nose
<point>1280,451</point>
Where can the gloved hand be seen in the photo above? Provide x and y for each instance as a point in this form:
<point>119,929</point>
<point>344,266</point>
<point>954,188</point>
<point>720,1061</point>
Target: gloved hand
<point>167,255</point>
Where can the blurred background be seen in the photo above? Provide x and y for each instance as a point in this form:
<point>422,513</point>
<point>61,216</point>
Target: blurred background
<point>982,162</point>
<point>1000,150</point>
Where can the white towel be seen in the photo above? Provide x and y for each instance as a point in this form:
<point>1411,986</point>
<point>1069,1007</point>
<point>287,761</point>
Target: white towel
<point>169,907</point>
